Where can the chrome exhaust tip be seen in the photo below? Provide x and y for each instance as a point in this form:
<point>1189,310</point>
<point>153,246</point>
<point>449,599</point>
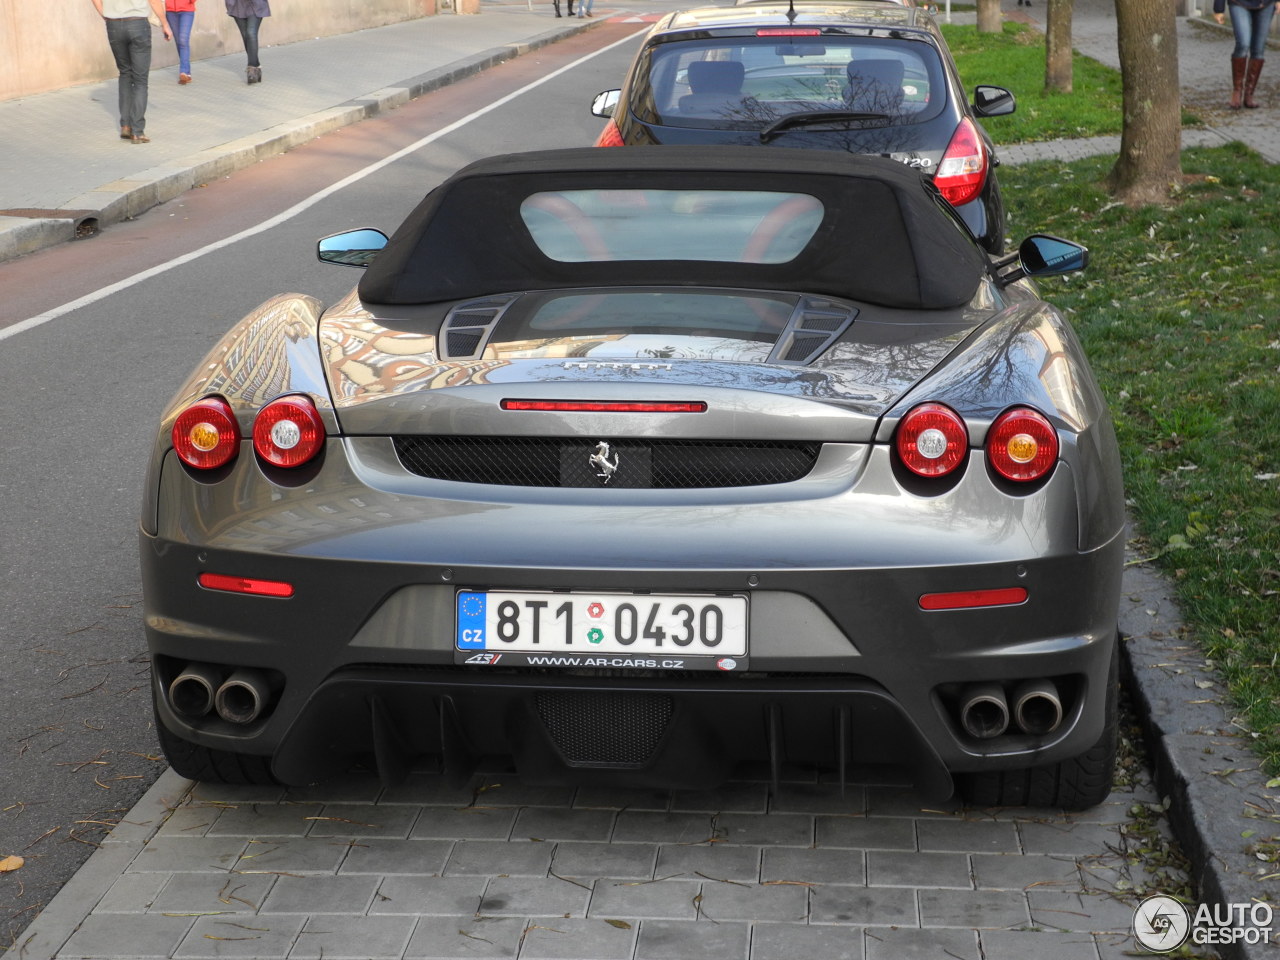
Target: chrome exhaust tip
<point>192,691</point>
<point>1037,708</point>
<point>243,696</point>
<point>984,712</point>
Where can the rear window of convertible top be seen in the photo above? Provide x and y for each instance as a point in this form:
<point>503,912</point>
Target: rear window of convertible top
<point>734,226</point>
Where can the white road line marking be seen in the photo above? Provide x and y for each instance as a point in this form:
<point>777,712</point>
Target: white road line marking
<point>101,294</point>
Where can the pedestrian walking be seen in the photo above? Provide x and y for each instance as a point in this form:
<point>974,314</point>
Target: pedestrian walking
<point>181,14</point>
<point>584,8</point>
<point>129,33</point>
<point>248,15</point>
<point>1251,24</point>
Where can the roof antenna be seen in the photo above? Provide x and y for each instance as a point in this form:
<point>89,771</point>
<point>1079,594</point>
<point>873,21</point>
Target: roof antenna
<point>791,12</point>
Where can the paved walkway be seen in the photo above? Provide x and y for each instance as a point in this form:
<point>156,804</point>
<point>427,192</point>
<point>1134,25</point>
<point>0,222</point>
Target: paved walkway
<point>1204,51</point>
<point>502,869</point>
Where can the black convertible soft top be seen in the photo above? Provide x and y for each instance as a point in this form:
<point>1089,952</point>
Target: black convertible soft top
<point>886,237</point>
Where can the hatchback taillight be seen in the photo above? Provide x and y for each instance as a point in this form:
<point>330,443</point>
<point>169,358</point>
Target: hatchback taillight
<point>1022,445</point>
<point>610,136</point>
<point>963,169</point>
<point>205,435</point>
<point>931,440</point>
<point>288,432</point>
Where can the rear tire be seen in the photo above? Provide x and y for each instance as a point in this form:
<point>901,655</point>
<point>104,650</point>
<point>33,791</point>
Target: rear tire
<point>1075,784</point>
<point>213,766</point>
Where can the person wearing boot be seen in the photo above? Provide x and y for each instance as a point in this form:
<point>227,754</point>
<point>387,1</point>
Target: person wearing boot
<point>1251,24</point>
<point>248,15</point>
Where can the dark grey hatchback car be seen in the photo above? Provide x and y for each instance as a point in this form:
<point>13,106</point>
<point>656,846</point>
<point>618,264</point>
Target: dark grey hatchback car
<point>869,78</point>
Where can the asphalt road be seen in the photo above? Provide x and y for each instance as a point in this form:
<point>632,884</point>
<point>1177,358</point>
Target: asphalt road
<point>81,396</point>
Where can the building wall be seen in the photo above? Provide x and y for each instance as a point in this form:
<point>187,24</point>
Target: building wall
<point>50,44</point>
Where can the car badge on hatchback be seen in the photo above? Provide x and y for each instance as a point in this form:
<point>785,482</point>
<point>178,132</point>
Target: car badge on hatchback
<point>601,462</point>
<point>612,365</point>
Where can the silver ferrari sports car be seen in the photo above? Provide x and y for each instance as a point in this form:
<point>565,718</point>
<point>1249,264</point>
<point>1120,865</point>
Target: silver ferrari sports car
<point>631,466</point>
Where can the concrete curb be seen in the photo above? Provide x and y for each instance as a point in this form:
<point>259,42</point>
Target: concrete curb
<point>124,199</point>
<point>1203,760</point>
<point>63,915</point>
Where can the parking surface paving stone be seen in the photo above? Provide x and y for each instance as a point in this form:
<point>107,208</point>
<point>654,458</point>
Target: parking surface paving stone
<point>583,875</point>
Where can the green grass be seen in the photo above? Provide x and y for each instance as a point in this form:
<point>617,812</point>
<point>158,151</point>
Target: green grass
<point>1180,314</point>
<point>1015,59</point>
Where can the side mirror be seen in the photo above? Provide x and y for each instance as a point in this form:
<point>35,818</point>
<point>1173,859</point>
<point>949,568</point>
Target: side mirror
<point>989,101</point>
<point>1041,255</point>
<point>604,103</point>
<point>355,248</point>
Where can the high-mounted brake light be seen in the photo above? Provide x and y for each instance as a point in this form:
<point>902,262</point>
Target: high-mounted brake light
<point>251,585</point>
<point>205,435</point>
<point>607,406</point>
<point>788,32</point>
<point>931,440</point>
<point>963,169</point>
<point>1022,445</point>
<point>610,136</point>
<point>288,432</point>
<point>967,599</point>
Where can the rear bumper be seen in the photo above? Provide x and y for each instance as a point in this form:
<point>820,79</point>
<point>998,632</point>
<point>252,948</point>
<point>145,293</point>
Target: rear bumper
<point>844,670</point>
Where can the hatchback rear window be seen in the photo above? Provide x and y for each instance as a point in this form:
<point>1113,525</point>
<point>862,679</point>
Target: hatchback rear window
<point>734,226</point>
<point>741,83</point>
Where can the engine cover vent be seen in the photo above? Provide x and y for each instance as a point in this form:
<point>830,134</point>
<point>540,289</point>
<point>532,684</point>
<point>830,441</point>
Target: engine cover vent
<point>814,326</point>
<point>467,327</point>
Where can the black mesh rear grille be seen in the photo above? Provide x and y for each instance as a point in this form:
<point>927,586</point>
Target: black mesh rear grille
<point>640,464</point>
<point>613,729</point>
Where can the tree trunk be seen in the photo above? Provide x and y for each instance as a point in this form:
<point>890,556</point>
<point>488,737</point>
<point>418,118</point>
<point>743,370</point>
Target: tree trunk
<point>1150,160</point>
<point>990,19</point>
<point>1057,41</point>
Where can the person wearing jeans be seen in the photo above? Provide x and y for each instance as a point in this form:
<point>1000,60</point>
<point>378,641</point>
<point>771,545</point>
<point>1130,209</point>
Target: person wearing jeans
<point>1251,24</point>
<point>181,14</point>
<point>248,15</point>
<point>129,33</point>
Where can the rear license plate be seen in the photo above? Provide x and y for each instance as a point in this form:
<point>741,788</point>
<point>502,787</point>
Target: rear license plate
<point>603,629</point>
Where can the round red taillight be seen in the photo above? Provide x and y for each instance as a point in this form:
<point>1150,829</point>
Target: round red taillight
<point>205,435</point>
<point>1022,445</point>
<point>288,432</point>
<point>932,440</point>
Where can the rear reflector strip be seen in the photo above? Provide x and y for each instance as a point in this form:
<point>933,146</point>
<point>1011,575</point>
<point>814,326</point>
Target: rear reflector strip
<point>606,406</point>
<point>258,588</point>
<point>1001,597</point>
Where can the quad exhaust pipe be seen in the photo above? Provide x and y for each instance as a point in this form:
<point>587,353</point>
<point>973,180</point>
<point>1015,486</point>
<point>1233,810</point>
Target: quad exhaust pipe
<point>243,697</point>
<point>193,690</point>
<point>1037,708</point>
<point>984,712</point>
<point>1034,708</point>
<point>240,698</point>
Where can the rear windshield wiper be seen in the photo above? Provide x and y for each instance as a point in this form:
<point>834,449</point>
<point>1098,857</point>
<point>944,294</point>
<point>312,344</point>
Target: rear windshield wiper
<point>808,117</point>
